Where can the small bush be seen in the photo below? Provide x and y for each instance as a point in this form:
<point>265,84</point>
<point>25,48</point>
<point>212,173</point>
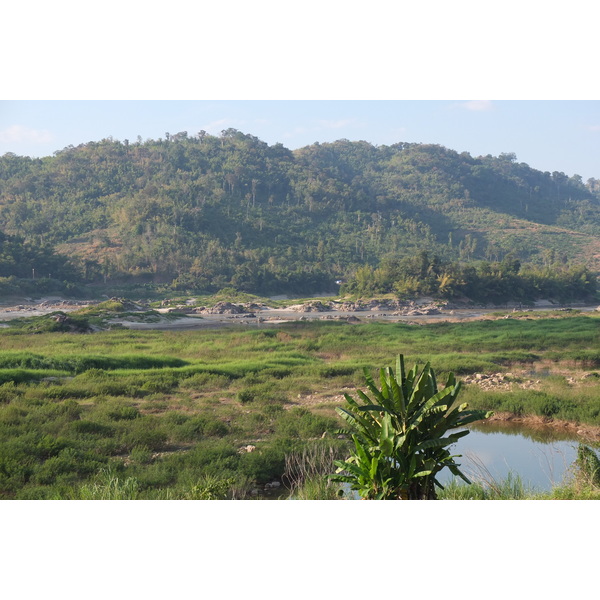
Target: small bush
<point>209,456</point>
<point>211,487</point>
<point>160,382</point>
<point>9,391</point>
<point>123,413</point>
<point>264,464</point>
<point>176,418</point>
<point>109,486</point>
<point>265,393</point>
<point>276,372</point>
<point>513,406</point>
<point>206,381</point>
<point>153,439</point>
<point>300,423</point>
<point>336,371</point>
<point>246,396</point>
<point>199,426</point>
<point>141,455</point>
<point>549,407</point>
<point>91,428</point>
<point>68,462</point>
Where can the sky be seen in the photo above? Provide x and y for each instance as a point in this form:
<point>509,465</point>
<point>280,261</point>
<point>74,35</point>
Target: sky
<point>549,135</point>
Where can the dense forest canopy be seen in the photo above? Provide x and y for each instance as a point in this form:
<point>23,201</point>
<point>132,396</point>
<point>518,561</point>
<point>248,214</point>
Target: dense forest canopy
<point>204,212</point>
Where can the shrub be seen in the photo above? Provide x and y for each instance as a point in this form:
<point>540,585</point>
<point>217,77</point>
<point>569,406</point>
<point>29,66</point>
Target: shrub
<point>265,393</point>
<point>68,465</point>
<point>9,391</point>
<point>141,454</point>
<point>91,428</point>
<point>123,413</point>
<point>199,426</point>
<point>300,423</point>
<point>264,464</point>
<point>246,396</point>
<point>176,418</point>
<point>401,435</point>
<point>207,457</point>
<point>160,382</point>
<point>206,381</point>
<point>144,434</point>
<point>513,405</point>
<point>336,371</point>
<point>210,487</point>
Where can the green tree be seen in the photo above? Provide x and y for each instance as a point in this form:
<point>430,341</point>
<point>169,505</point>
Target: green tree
<point>401,434</point>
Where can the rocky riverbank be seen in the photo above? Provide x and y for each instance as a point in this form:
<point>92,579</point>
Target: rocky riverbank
<point>226,312</point>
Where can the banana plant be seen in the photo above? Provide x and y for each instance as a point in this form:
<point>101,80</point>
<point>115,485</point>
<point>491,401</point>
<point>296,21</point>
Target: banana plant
<point>402,432</point>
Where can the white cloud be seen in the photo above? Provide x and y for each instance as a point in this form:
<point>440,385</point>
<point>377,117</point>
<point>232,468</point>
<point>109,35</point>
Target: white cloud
<point>215,127</point>
<point>478,105</point>
<point>219,125</point>
<point>318,127</point>
<point>295,131</point>
<point>19,134</point>
<point>594,127</point>
<point>336,124</point>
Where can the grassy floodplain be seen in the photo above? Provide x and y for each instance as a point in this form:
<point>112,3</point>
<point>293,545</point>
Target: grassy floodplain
<point>172,414</point>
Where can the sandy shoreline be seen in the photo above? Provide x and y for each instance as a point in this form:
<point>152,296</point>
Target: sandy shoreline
<point>267,316</point>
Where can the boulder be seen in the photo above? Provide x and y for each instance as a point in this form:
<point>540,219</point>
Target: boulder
<point>316,306</point>
<point>224,308</point>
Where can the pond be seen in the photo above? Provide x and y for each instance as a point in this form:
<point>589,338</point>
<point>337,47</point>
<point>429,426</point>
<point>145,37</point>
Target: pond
<point>542,459</point>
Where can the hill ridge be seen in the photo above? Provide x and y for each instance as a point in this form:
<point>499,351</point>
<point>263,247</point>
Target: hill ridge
<point>215,211</point>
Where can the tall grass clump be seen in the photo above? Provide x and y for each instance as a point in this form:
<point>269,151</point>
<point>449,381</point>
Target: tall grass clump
<point>588,465</point>
<point>584,481</point>
<point>307,470</point>
<point>510,488</point>
<point>109,486</point>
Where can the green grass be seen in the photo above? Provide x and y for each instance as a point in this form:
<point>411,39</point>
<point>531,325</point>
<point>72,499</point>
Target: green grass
<point>510,488</point>
<point>79,363</point>
<point>167,412</point>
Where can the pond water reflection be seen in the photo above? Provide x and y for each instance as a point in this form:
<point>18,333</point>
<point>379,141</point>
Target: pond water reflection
<point>542,458</point>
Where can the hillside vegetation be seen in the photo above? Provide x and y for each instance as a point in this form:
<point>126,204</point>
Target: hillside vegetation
<point>205,212</point>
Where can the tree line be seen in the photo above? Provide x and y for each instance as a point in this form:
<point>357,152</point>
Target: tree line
<point>481,281</point>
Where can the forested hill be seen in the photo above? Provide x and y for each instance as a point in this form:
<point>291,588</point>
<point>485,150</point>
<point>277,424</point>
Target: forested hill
<point>213,211</point>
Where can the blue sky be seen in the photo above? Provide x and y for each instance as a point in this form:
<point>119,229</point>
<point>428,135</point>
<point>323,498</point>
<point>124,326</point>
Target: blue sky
<point>549,135</point>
